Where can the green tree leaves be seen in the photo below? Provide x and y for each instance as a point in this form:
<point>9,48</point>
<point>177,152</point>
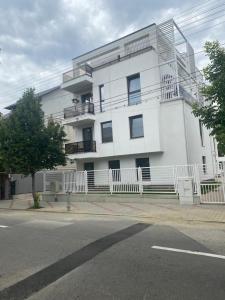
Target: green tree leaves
<point>212,113</point>
<point>27,145</point>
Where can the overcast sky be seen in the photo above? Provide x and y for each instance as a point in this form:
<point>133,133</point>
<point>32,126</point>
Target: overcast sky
<point>38,38</point>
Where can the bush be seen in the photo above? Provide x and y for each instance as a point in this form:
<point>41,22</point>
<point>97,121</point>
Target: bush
<point>37,200</point>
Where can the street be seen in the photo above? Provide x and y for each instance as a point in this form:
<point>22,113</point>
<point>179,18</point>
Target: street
<point>62,256</point>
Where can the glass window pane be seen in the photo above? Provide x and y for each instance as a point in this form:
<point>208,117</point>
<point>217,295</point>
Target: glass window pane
<point>136,127</point>
<point>134,84</point>
<point>134,98</point>
<point>107,132</point>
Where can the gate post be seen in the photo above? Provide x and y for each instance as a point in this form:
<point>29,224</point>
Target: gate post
<point>140,180</point>
<point>197,180</point>
<point>85,182</point>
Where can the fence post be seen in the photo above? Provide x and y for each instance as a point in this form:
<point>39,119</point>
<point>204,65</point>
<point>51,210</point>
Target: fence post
<point>110,181</point>
<point>44,182</point>
<point>140,180</point>
<point>198,181</point>
<point>63,182</point>
<point>175,178</point>
<point>85,182</point>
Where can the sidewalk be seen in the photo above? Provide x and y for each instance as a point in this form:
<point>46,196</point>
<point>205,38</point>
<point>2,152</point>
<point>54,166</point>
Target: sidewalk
<point>155,211</point>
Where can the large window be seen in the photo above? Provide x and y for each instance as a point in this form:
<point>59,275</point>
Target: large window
<point>134,89</point>
<point>107,135</point>
<point>101,97</point>
<point>136,127</point>
<point>114,165</point>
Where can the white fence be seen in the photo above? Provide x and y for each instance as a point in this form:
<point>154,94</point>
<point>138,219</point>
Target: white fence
<point>155,179</point>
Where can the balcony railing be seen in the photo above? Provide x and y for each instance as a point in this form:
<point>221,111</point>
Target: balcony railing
<point>75,73</point>
<point>79,109</point>
<point>80,147</point>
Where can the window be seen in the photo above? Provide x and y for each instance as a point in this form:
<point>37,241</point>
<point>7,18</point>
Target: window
<point>86,98</point>
<point>107,132</point>
<point>143,163</point>
<point>101,97</point>
<point>201,132</point>
<point>204,168</point>
<point>114,165</point>
<point>134,89</point>
<point>136,127</point>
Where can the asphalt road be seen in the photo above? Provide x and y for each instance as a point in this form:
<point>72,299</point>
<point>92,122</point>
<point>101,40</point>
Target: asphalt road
<point>59,256</point>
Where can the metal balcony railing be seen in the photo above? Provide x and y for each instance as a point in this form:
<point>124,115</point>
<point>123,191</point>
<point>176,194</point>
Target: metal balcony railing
<point>79,109</point>
<point>80,147</point>
<point>75,73</point>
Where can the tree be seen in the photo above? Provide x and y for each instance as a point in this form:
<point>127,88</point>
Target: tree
<point>27,145</point>
<point>212,112</point>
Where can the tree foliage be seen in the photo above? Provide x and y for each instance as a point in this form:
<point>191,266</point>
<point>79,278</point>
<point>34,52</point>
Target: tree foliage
<point>212,112</point>
<point>27,144</point>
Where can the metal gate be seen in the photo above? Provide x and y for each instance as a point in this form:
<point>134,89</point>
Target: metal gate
<point>213,191</point>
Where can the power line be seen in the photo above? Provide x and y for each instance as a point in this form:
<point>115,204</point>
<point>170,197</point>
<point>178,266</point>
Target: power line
<point>150,91</point>
<point>118,78</point>
<point>58,75</point>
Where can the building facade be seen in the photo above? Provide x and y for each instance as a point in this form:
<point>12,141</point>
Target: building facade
<point>129,103</point>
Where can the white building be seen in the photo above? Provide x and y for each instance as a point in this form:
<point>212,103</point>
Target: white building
<point>128,104</point>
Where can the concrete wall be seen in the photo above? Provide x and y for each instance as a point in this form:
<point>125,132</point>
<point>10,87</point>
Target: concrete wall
<point>23,183</point>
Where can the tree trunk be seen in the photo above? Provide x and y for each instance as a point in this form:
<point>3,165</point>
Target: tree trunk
<point>33,186</point>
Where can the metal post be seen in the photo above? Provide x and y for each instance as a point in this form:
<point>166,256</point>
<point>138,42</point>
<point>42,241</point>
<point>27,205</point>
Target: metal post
<point>110,181</point>
<point>140,180</point>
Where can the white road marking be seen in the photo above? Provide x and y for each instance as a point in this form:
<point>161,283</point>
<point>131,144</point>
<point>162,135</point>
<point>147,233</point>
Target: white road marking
<point>189,252</point>
<point>3,226</point>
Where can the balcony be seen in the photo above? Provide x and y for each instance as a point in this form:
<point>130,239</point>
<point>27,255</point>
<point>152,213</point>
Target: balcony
<point>77,80</point>
<point>80,147</point>
<point>79,114</point>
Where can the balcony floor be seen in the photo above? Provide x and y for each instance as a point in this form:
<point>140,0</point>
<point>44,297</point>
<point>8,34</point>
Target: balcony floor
<point>81,120</point>
<point>78,85</point>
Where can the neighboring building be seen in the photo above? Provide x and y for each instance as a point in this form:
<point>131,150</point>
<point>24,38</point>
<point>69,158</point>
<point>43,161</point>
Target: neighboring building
<point>128,104</point>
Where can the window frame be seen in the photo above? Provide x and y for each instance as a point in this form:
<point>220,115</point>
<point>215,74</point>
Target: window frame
<point>102,124</point>
<point>129,78</point>
<point>131,118</point>
<point>100,87</point>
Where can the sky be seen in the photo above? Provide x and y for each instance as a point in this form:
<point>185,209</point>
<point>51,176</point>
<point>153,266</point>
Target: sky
<point>39,38</point>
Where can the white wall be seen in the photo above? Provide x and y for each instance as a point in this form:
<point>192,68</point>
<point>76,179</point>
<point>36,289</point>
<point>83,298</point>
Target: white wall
<point>195,150</point>
<point>118,111</point>
<point>54,103</point>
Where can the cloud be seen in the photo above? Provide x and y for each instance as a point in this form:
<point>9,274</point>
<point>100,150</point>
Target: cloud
<point>39,38</point>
